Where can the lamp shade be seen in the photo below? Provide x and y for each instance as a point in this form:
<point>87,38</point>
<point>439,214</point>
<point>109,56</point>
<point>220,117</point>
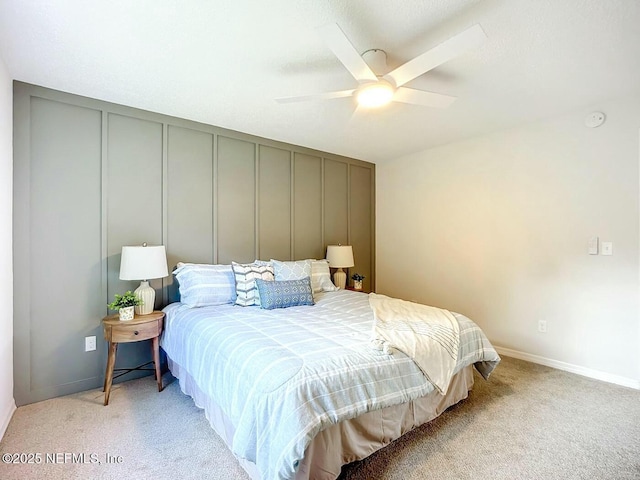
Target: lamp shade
<point>340,256</point>
<point>143,263</point>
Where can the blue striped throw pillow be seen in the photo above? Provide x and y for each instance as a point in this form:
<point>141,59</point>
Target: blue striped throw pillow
<point>286,293</point>
<point>203,285</point>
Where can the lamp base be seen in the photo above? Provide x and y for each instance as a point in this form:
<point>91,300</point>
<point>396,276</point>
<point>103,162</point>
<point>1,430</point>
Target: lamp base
<point>148,296</point>
<point>340,279</point>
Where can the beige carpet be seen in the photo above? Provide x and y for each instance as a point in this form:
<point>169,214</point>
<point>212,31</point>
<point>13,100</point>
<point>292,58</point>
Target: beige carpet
<point>527,422</point>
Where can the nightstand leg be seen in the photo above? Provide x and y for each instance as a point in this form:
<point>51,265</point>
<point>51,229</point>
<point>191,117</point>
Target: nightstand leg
<point>156,361</point>
<point>111,361</point>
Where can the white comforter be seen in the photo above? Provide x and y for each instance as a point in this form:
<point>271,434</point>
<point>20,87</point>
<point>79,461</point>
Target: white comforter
<point>282,375</point>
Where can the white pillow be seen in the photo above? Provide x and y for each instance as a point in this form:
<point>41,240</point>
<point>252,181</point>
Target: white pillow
<point>202,285</point>
<point>321,277</point>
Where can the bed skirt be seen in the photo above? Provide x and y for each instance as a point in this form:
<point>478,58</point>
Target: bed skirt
<point>346,441</point>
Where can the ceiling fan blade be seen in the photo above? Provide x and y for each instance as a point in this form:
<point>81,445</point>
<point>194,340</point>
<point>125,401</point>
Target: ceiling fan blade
<point>471,38</point>
<point>358,115</point>
<point>317,96</point>
<point>340,45</point>
<point>421,97</point>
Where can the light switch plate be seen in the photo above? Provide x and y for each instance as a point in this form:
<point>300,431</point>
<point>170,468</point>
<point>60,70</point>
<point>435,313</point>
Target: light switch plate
<point>593,245</point>
<point>607,248</point>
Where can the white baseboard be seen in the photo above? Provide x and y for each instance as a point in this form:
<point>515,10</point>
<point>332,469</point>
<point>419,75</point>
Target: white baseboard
<point>568,367</point>
<point>6,417</point>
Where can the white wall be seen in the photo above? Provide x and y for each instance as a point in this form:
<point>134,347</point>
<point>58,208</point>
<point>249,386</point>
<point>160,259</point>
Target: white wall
<point>7,404</point>
<point>496,228</point>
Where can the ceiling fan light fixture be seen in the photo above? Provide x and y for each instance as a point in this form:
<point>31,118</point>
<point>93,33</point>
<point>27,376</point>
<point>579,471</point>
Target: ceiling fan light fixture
<point>374,95</point>
<point>377,86</point>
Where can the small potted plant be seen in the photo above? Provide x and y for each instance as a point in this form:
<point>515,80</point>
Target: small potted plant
<point>357,281</point>
<point>125,304</point>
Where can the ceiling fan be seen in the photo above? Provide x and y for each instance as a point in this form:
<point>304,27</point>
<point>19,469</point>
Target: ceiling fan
<point>377,88</point>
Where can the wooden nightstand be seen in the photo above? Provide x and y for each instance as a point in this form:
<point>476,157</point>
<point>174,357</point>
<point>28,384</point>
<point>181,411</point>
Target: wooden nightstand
<point>142,327</point>
<point>354,290</point>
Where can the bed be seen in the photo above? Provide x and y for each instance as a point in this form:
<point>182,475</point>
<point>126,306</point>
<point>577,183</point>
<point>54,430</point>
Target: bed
<point>298,392</point>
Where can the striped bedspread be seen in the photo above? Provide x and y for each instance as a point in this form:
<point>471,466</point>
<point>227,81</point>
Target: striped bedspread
<point>283,375</point>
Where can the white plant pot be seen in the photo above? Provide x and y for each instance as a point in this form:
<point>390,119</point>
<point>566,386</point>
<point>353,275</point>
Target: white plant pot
<point>357,284</point>
<point>126,313</point>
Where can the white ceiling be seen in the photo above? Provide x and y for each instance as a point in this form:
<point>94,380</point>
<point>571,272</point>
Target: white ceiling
<point>223,62</point>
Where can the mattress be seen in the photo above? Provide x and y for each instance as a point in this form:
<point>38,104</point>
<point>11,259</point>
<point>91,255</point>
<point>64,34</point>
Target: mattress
<point>280,377</point>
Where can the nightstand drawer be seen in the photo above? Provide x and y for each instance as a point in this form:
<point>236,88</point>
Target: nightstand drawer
<point>134,333</point>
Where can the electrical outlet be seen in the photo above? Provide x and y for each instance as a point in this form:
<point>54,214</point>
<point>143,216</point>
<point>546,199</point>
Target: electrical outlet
<point>542,326</point>
<point>90,343</point>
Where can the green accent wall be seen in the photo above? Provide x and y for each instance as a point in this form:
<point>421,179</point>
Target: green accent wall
<point>91,176</point>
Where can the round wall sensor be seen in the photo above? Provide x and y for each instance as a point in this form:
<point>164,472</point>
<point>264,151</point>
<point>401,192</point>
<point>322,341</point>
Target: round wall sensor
<point>594,119</point>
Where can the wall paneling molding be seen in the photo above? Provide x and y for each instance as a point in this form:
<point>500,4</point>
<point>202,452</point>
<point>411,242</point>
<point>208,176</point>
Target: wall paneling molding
<point>91,176</point>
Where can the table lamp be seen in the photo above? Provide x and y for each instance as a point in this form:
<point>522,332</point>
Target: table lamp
<point>144,263</point>
<point>340,256</point>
